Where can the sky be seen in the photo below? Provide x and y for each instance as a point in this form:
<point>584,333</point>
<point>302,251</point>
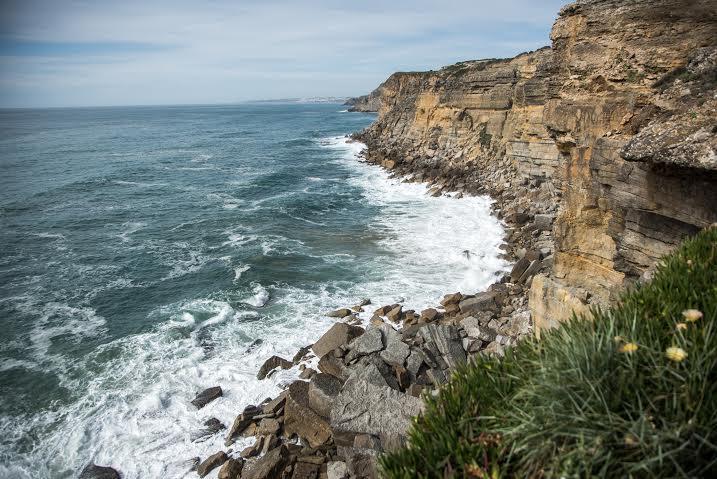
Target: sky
<point>96,52</point>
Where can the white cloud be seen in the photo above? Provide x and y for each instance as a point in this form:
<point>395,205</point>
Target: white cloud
<point>227,51</point>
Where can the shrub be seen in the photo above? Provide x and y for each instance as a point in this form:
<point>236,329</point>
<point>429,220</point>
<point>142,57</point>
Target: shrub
<point>612,395</point>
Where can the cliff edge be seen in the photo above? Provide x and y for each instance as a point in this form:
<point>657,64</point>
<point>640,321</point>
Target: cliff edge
<point>600,150</point>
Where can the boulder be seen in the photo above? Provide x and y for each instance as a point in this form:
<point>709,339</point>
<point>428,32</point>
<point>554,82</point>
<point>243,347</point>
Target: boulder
<point>369,342</point>
<point>396,351</point>
<point>480,302</point>
<point>530,271</point>
<point>211,463</point>
<point>338,335</point>
<point>93,471</point>
<point>364,408</point>
<point>448,342</point>
<point>429,315</point>
<point>383,310</point>
<point>414,361</point>
<point>268,466</point>
<point>241,422</point>
<point>305,470</point>
<point>275,404</point>
<point>334,366</point>
<point>271,364</point>
<point>451,298</point>
<point>337,470</point>
<point>231,469</point>
<point>323,388</point>
<point>301,420</point>
<point>395,314</point>
<point>268,426</point>
<point>211,427</point>
<point>340,313</point>
<point>519,268</point>
<point>301,354</point>
<point>207,396</point>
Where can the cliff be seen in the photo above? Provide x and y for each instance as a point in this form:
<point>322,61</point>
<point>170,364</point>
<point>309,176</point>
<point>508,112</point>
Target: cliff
<point>599,151</point>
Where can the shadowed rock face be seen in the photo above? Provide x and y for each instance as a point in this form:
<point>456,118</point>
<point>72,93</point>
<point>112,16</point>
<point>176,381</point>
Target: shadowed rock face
<point>612,130</point>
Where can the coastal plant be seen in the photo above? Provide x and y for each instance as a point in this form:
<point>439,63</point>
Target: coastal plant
<point>629,391</point>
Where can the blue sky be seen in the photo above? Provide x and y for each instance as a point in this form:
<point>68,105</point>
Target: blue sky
<point>83,52</point>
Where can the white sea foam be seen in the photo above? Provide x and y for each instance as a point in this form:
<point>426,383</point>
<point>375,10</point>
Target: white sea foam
<point>239,270</point>
<point>129,228</point>
<point>136,415</point>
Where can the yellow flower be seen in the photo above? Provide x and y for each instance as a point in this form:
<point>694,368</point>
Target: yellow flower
<point>681,326</point>
<point>628,348</point>
<point>676,354</point>
<point>692,315</point>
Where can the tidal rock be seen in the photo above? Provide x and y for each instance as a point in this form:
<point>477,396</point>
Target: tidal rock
<point>207,396</point>
<point>338,335</point>
<point>93,471</point>
<point>211,463</point>
<point>268,426</point>
<point>271,364</point>
<point>268,466</point>
<point>301,354</point>
<point>301,420</point>
<point>231,469</point>
<point>241,422</point>
<point>395,314</point>
<point>211,427</point>
<point>323,388</point>
<point>340,313</point>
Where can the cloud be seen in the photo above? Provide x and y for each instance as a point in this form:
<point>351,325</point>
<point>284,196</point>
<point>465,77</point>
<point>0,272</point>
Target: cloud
<point>87,53</point>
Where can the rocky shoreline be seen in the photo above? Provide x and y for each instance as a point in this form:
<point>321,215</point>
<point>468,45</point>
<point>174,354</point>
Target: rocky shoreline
<point>361,385</point>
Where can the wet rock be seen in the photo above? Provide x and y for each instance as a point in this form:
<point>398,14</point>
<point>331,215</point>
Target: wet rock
<point>211,427</point>
<point>231,469</point>
<point>207,396</point>
<point>323,388</point>
<point>307,373</point>
<point>275,404</point>
<point>338,335</point>
<point>395,314</point>
<point>340,313</point>
<point>271,364</point>
<point>301,420</point>
<point>384,310</point>
<point>211,463</point>
<point>241,422</point>
<point>451,298</point>
<point>301,354</point>
<point>93,471</point>
<point>268,466</point>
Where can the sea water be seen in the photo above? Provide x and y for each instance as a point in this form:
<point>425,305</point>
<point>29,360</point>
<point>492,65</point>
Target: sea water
<point>148,253</point>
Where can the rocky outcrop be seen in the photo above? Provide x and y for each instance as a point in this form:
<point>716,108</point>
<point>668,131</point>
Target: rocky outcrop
<point>600,150</point>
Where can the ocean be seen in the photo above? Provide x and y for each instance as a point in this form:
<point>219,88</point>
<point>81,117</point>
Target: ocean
<point>148,253</point>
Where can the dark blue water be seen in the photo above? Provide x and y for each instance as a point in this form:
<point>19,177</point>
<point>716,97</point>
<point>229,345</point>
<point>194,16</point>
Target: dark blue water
<point>145,249</point>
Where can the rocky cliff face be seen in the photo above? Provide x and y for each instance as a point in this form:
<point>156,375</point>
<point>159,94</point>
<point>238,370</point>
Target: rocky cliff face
<point>600,150</point>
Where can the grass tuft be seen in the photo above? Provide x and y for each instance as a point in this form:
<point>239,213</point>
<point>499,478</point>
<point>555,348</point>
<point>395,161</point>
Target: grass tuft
<point>631,391</point>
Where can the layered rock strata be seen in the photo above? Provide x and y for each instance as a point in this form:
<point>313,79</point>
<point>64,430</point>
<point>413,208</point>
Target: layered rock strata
<point>600,150</point>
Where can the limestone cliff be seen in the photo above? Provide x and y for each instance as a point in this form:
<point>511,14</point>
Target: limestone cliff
<point>599,150</point>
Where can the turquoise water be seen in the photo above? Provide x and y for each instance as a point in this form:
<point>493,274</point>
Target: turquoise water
<point>151,252</point>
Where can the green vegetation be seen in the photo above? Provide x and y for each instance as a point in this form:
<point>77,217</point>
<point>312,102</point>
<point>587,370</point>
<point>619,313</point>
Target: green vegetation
<point>630,392</point>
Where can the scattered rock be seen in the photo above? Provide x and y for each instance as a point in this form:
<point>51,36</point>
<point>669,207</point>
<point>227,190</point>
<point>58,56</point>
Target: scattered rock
<point>211,463</point>
<point>269,465</point>
<point>338,335</point>
<point>301,420</point>
<point>93,471</point>
<point>340,313</point>
<point>207,396</point>
<point>231,469</point>
<point>211,427</point>
<point>480,302</point>
<point>271,364</point>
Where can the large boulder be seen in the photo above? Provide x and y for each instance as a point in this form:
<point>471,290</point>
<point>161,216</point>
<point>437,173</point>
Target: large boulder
<point>93,471</point>
<point>338,335</point>
<point>271,364</point>
<point>242,422</point>
<point>364,408</point>
<point>211,463</point>
<point>301,420</point>
<point>369,342</point>
<point>207,396</point>
<point>396,351</point>
<point>334,366</point>
<point>323,388</point>
<point>448,342</point>
<point>480,302</point>
<point>340,313</point>
<point>231,469</point>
